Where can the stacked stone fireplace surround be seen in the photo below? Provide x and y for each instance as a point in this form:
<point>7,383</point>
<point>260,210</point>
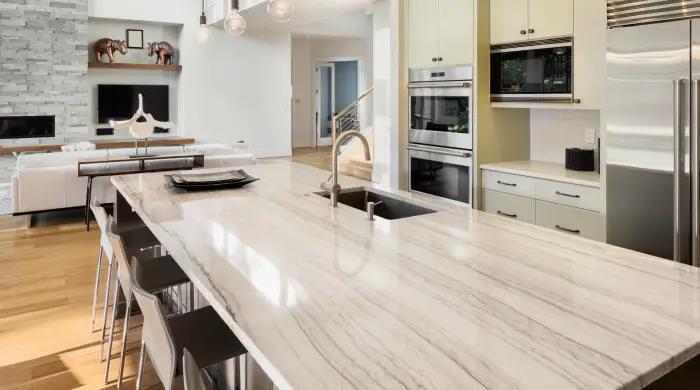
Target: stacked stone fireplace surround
<point>43,64</point>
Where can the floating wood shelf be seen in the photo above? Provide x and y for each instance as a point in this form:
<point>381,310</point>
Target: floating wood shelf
<point>119,65</point>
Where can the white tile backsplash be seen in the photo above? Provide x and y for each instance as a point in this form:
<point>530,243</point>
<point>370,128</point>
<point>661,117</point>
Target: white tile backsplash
<point>552,131</point>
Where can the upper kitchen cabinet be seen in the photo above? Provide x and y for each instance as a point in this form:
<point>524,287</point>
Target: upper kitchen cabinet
<point>423,33</point>
<point>508,20</point>
<point>521,20</point>
<point>440,33</point>
<point>550,18</point>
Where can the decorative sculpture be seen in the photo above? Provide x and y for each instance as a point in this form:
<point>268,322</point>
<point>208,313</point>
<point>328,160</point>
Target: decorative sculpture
<point>163,51</point>
<point>140,130</point>
<point>109,47</point>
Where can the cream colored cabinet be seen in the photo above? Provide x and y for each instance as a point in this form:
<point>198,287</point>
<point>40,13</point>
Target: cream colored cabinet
<point>509,21</point>
<point>570,220</point>
<point>456,32</point>
<point>422,33</point>
<point>509,206</point>
<point>440,33</point>
<point>550,18</point>
<point>521,20</point>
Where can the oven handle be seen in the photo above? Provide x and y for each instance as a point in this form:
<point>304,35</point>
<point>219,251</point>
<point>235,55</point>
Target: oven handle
<point>441,84</point>
<point>446,152</point>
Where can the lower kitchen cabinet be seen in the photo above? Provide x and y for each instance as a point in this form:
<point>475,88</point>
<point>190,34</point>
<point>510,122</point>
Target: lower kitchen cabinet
<point>544,194</point>
<point>509,206</point>
<point>571,220</point>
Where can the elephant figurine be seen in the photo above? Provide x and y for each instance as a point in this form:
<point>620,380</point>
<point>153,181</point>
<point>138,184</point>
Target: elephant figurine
<point>109,47</point>
<point>163,51</point>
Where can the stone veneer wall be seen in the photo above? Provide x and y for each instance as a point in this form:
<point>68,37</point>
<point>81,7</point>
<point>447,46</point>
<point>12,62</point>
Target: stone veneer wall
<point>43,63</point>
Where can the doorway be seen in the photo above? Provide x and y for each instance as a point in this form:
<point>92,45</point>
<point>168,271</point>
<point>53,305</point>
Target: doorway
<point>337,84</point>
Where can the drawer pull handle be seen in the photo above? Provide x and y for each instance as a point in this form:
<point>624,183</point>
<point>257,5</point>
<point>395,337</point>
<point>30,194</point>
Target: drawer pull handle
<point>506,184</point>
<point>568,230</point>
<point>568,195</point>
<point>499,212</point>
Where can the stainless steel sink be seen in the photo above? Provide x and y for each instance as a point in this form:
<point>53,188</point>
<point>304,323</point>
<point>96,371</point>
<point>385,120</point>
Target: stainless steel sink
<point>389,208</point>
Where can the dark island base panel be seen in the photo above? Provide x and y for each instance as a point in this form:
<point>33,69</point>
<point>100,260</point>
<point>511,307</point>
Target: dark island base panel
<point>685,377</point>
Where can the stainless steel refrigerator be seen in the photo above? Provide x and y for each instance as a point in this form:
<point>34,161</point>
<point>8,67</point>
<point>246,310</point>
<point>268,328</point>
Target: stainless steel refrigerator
<point>651,115</point>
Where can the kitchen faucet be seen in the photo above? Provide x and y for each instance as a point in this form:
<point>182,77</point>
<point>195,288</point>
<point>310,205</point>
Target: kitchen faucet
<point>331,185</point>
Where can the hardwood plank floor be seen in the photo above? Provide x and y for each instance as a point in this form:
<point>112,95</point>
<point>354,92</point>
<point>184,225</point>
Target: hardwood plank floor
<point>46,281</point>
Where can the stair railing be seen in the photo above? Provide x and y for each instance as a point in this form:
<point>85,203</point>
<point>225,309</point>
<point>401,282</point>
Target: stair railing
<point>348,119</point>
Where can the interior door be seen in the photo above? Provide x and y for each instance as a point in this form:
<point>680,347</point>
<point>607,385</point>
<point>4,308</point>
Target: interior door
<point>456,32</point>
<point>422,33</point>
<point>325,102</point>
<point>550,18</point>
<point>643,62</point>
<point>508,21</point>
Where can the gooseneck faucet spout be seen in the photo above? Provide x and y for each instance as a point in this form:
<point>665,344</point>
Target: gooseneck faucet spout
<point>331,185</point>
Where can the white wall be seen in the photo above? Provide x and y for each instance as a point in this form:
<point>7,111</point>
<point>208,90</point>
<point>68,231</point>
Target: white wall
<point>389,139</point>
<point>116,29</point>
<point>229,90</point>
<point>237,90</point>
<point>337,47</point>
<point>162,11</point>
<point>552,131</point>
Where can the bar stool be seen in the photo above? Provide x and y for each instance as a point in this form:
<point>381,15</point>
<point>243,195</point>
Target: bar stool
<point>202,332</point>
<point>190,372</point>
<point>158,274</point>
<point>135,240</point>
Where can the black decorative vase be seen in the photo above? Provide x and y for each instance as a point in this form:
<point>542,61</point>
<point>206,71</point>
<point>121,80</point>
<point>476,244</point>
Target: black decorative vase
<point>580,159</point>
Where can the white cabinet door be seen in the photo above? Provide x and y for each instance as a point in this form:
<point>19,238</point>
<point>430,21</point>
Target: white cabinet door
<point>456,32</point>
<point>509,206</point>
<point>570,220</point>
<point>550,18</point>
<point>509,20</point>
<point>422,33</point>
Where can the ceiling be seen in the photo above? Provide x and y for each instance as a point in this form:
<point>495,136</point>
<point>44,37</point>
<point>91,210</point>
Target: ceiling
<point>339,18</point>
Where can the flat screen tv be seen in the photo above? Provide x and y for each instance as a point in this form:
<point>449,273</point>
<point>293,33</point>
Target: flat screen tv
<point>119,102</point>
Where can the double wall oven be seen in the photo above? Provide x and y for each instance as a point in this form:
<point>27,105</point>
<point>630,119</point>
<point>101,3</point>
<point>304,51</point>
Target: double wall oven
<point>440,136</point>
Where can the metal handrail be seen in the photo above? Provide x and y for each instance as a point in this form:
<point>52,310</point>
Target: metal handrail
<point>334,124</point>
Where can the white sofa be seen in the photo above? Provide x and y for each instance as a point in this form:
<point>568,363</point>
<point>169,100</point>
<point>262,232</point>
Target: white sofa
<point>49,181</point>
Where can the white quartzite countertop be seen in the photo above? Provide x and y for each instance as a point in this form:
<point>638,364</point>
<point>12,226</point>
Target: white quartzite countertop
<point>458,299</point>
<point>545,170</point>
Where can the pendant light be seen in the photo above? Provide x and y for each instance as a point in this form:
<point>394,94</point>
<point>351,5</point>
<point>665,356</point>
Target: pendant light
<point>234,23</point>
<point>280,11</point>
<point>203,34</point>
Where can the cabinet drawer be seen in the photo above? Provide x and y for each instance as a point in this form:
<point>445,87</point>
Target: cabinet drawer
<point>571,220</point>
<point>569,194</point>
<point>509,206</point>
<point>506,182</point>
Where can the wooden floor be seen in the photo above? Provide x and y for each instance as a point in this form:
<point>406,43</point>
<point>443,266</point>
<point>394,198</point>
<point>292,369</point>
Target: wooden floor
<point>46,281</point>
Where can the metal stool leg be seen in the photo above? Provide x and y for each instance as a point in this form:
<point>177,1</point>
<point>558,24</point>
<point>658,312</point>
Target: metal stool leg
<point>244,371</point>
<point>115,303</point>
<point>142,357</point>
<point>97,288</point>
<point>104,309</point>
<point>126,331</point>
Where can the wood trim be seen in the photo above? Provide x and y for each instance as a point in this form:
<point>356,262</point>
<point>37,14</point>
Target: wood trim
<point>118,65</point>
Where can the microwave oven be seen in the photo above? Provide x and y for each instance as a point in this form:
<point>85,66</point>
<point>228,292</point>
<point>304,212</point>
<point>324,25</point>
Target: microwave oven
<point>533,71</point>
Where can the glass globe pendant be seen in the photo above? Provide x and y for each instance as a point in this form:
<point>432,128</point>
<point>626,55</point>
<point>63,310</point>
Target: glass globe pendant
<point>203,34</point>
<point>234,23</point>
<point>280,11</point>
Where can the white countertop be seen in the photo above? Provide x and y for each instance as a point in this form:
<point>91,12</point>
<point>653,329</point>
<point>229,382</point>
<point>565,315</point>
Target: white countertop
<point>459,299</point>
<point>546,170</point>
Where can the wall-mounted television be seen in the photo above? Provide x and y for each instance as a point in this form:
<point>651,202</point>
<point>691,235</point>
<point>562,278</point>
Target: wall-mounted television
<point>119,102</point>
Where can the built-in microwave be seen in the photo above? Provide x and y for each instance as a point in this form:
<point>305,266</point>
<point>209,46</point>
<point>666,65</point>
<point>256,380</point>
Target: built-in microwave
<point>533,71</point>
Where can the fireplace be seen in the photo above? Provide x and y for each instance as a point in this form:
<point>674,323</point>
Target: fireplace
<point>12,127</point>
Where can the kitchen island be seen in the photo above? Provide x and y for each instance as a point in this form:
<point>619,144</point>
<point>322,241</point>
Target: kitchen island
<point>457,299</point>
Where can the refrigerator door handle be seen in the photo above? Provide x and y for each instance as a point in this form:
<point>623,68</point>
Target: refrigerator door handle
<point>678,163</point>
<point>694,171</point>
